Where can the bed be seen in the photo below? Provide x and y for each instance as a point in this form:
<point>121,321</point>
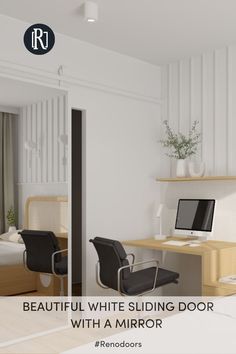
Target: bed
<point>11,253</point>
<point>41,213</point>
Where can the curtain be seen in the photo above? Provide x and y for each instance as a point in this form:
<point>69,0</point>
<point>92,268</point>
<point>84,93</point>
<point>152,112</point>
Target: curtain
<point>6,168</point>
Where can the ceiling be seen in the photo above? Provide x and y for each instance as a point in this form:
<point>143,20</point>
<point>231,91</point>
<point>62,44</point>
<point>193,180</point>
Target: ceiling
<point>155,31</point>
<point>18,93</point>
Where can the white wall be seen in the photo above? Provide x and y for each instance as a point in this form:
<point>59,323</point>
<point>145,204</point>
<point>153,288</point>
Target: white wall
<point>122,164</point>
<point>203,88</point>
<point>44,170</point>
<point>86,64</point>
<point>120,96</point>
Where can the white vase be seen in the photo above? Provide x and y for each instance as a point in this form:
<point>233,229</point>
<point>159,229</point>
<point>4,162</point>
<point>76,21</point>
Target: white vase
<point>196,169</point>
<point>12,229</point>
<point>181,168</point>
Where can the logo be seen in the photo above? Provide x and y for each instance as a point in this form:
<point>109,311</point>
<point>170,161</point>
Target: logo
<point>39,39</point>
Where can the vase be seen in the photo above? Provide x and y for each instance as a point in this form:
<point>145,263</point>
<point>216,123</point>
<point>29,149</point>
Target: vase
<point>196,169</point>
<point>181,168</point>
<point>12,229</point>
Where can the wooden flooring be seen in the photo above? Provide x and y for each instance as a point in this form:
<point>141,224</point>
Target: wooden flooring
<point>59,341</point>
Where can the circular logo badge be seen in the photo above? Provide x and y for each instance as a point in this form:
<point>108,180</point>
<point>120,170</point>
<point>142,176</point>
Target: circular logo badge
<point>39,39</point>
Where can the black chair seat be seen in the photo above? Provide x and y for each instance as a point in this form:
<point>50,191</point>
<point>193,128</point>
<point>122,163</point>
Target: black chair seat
<point>113,261</point>
<point>142,280</point>
<point>61,266</point>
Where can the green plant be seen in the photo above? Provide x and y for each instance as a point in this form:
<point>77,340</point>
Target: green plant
<point>11,217</point>
<point>181,146</point>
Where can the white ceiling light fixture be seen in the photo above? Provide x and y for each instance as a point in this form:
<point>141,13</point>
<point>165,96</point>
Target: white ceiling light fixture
<point>90,11</point>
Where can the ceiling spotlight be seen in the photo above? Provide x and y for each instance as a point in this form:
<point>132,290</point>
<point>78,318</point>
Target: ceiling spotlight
<point>90,11</point>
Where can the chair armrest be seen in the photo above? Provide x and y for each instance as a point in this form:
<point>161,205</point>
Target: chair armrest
<point>134,265</point>
<point>25,260</point>
<point>53,259</point>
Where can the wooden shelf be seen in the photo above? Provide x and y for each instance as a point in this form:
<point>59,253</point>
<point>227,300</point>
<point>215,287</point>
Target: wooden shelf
<point>192,179</point>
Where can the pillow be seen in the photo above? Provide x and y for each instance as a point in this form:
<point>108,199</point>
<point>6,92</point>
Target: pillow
<point>12,236</point>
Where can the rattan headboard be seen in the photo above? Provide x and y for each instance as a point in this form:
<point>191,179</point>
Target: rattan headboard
<point>46,213</point>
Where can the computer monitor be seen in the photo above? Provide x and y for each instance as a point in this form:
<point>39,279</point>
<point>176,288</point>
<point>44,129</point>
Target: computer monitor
<point>195,217</point>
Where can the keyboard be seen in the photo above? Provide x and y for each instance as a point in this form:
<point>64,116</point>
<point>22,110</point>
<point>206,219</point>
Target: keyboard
<point>176,243</point>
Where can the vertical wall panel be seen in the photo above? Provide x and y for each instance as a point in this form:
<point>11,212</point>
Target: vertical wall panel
<point>61,132</point>
<point>50,146</point>
<point>55,140</point>
<point>44,154</point>
<point>173,106</point>
<point>166,167</point>
<point>39,141</point>
<point>203,88</point>
<point>184,96</point>
<point>22,162</point>
<point>196,95</point>
<point>231,148</point>
<point>19,140</point>
<point>42,124</point>
<point>34,140</point>
<point>208,129</point>
<point>221,118</point>
<point>28,139</point>
<point>173,87</point>
<point>65,132</point>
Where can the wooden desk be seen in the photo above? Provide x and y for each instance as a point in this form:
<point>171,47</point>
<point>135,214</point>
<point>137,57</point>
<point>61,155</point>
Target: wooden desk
<point>218,259</point>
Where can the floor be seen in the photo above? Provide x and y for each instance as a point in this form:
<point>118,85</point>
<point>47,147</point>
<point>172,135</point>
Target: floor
<point>53,343</point>
<point>59,341</point>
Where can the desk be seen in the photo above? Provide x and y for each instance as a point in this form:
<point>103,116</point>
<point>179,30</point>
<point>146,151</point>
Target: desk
<point>218,259</point>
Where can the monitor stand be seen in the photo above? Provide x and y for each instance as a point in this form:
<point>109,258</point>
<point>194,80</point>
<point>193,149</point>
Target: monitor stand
<point>197,240</point>
<point>160,237</point>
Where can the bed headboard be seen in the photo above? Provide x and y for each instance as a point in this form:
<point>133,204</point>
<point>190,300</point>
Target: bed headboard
<point>46,213</point>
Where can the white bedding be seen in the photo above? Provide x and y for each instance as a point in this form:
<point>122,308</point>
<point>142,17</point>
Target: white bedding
<point>11,253</point>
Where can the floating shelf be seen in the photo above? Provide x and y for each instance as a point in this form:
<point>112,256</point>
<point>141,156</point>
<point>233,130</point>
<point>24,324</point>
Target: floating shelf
<point>192,179</point>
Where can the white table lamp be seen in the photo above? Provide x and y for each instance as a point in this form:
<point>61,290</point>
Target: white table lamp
<point>160,236</point>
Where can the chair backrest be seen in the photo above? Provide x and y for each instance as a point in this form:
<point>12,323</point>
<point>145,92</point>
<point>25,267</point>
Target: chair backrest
<point>40,245</point>
<point>111,256</point>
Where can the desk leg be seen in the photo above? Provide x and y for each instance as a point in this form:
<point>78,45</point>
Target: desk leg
<point>163,257</point>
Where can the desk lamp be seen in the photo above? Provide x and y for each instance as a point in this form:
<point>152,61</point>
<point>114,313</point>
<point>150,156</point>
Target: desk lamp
<point>160,236</point>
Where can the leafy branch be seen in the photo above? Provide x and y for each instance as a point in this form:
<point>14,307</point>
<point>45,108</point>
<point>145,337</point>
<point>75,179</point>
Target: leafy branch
<point>11,217</point>
<point>181,146</point>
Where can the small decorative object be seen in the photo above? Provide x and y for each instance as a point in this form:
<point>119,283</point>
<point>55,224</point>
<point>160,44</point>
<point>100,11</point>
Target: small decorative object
<point>181,170</point>
<point>11,219</point>
<point>196,169</point>
<point>181,147</point>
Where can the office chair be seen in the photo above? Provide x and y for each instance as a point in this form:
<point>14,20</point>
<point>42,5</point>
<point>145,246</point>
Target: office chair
<point>43,254</point>
<point>114,271</point>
